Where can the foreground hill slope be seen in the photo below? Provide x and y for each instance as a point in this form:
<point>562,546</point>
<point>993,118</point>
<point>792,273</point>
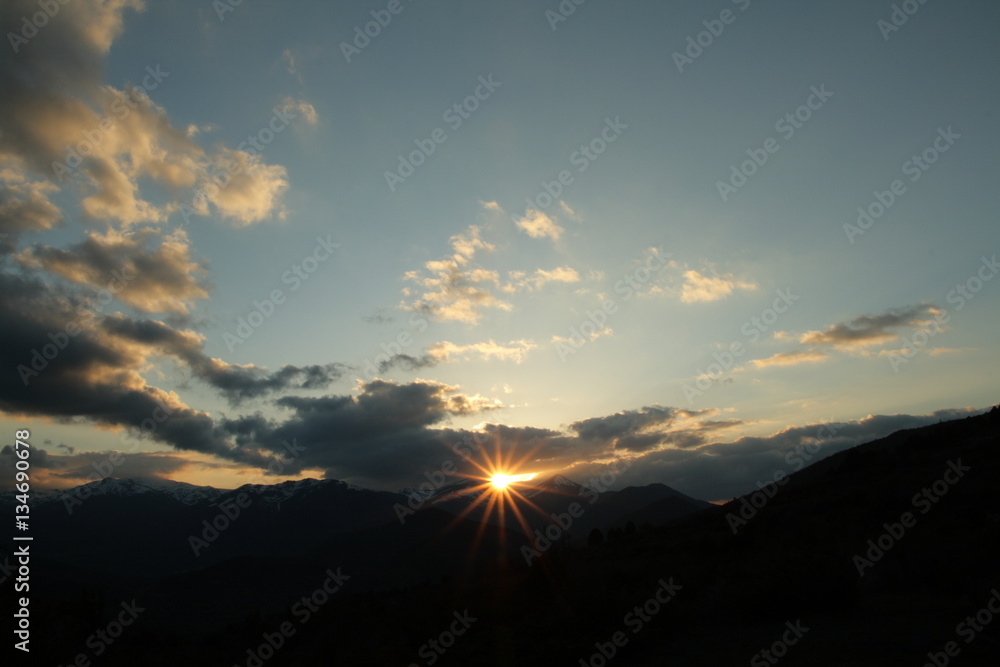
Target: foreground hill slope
<point>876,556</point>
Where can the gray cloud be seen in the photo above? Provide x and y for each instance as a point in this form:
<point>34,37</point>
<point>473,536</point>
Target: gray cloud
<point>407,362</point>
<point>236,383</point>
<point>723,470</point>
<point>164,279</point>
<point>871,329</point>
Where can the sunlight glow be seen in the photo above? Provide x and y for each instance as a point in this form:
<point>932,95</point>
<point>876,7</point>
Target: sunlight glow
<point>501,480</point>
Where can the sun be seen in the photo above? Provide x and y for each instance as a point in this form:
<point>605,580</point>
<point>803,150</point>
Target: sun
<point>501,481</point>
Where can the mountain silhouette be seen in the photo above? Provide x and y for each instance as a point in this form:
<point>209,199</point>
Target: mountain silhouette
<point>892,544</point>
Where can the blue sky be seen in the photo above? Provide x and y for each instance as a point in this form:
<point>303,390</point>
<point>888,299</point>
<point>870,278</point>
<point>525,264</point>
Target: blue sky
<point>486,291</point>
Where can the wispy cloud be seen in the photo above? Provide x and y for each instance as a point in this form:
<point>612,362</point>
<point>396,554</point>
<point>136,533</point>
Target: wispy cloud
<point>701,288</point>
<point>539,225</point>
<point>161,279</point>
<point>867,330</point>
<point>791,358</point>
<point>458,288</point>
<point>446,351</point>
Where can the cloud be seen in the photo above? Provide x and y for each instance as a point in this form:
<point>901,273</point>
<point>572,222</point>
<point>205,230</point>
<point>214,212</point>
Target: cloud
<point>570,213</point>
<point>519,281</point>
<point>592,336</point>
<point>515,350</point>
<point>72,363</point>
<point>288,58</point>
<point>234,381</point>
<point>648,429</point>
<point>853,337</point>
<point>383,434</point>
<point>91,377</point>
<point>538,225</point>
<point>700,288</point>
<point>866,330</point>
<point>791,358</point>
<point>250,189</point>
<point>455,289</point>
<point>378,317</point>
<point>59,121</point>
<point>164,279</point>
<point>722,470</point>
<point>407,362</point>
<point>294,107</point>
<point>24,206</point>
<point>446,351</point>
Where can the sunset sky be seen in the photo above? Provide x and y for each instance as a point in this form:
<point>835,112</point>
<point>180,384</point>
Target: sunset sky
<point>585,236</point>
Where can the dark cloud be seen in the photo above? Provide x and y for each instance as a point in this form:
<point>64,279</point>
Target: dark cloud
<point>628,422</point>
<point>24,207</point>
<point>721,471</point>
<point>65,366</point>
<point>382,436</point>
<point>871,329</point>
<point>237,383</point>
<point>163,279</point>
<point>378,317</point>
<point>55,470</point>
<point>649,428</point>
<point>407,362</point>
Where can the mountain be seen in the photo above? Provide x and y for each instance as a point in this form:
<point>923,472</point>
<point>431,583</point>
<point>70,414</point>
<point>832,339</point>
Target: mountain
<point>655,504</point>
<point>149,528</point>
<point>831,550</point>
<point>181,492</point>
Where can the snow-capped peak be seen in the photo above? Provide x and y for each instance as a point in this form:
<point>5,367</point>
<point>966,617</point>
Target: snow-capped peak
<point>182,492</point>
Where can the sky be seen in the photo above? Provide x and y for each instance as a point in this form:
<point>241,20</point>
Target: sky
<point>256,242</point>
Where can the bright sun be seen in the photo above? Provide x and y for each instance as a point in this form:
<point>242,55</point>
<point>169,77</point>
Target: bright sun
<point>501,480</point>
